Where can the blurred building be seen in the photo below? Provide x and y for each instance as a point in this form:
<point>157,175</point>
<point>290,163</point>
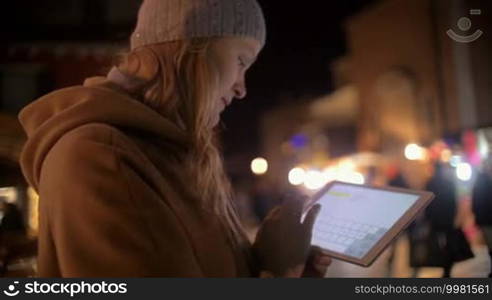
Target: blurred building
<point>310,132</point>
<point>59,43</point>
<point>403,80</point>
<point>51,45</point>
<point>416,83</point>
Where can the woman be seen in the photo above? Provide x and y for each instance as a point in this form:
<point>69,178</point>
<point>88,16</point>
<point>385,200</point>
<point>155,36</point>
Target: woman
<point>130,179</point>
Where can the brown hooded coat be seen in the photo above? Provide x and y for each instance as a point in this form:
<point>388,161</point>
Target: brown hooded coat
<point>114,201</point>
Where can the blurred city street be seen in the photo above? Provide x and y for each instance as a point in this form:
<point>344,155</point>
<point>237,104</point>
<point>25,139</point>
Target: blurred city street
<point>381,93</point>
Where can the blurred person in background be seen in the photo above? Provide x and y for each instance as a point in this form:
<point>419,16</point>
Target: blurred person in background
<point>12,220</point>
<point>128,168</point>
<point>482,203</point>
<point>395,177</point>
<point>13,236</point>
<point>447,244</point>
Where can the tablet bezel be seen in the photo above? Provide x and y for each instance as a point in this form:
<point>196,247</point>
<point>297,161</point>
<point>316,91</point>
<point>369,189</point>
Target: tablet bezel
<point>422,202</point>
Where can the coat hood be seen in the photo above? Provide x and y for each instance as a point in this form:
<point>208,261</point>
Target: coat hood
<point>98,100</point>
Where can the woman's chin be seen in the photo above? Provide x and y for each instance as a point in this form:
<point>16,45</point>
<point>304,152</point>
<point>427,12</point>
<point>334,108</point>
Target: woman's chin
<point>214,121</point>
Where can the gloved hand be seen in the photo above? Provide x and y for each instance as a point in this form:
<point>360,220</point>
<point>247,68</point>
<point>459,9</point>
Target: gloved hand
<point>282,244</point>
<point>317,263</point>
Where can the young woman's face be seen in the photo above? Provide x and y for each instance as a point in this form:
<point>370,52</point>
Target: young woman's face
<point>231,57</point>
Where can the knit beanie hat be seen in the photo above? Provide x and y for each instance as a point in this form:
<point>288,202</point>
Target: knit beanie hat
<point>170,20</point>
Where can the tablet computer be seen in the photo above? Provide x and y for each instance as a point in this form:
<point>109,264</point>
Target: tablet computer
<point>357,222</point>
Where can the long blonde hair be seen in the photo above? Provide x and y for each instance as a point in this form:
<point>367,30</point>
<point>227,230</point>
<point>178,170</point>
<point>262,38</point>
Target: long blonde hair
<point>178,81</point>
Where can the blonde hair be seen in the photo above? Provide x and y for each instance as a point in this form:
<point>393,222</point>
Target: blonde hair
<point>178,81</point>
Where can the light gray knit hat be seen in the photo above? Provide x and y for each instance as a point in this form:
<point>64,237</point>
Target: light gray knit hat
<point>170,20</point>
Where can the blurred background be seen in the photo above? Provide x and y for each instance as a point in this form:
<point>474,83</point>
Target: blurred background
<point>381,92</point>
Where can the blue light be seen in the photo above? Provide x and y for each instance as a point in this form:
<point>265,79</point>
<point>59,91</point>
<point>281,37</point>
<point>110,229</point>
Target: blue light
<point>298,141</point>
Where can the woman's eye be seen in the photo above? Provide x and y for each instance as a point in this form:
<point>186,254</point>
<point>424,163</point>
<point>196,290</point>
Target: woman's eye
<point>241,63</point>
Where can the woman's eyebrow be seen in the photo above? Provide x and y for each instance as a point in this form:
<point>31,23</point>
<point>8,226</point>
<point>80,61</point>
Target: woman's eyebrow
<point>250,53</point>
<point>249,58</point>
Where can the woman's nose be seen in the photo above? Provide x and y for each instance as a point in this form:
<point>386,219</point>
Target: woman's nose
<point>240,90</point>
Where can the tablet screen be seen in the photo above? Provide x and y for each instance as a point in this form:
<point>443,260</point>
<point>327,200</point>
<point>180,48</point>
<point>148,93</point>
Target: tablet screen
<point>354,218</point>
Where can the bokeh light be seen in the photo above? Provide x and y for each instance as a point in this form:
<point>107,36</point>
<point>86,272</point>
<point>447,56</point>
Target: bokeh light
<point>464,171</point>
<point>455,160</point>
<point>352,177</point>
<point>446,155</point>
<point>259,166</point>
<point>414,152</point>
<point>314,180</point>
<point>330,174</point>
<point>297,176</point>
<point>9,194</point>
